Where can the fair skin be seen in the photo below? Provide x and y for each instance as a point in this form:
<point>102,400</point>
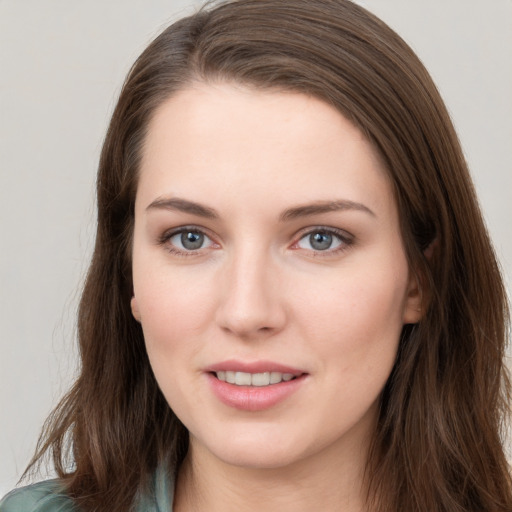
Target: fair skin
<point>267,240</point>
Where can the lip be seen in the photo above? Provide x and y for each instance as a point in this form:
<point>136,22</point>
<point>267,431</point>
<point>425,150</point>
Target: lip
<point>253,398</point>
<point>253,367</point>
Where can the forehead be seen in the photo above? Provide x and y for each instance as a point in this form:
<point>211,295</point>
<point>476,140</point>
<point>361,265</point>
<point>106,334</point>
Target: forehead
<point>225,139</point>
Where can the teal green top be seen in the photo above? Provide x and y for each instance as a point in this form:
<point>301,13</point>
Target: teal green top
<point>47,496</point>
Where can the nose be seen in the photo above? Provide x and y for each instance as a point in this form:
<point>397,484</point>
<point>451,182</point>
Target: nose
<point>252,299</point>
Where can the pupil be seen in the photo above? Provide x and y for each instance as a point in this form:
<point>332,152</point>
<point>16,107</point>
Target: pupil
<point>320,241</point>
<point>192,240</point>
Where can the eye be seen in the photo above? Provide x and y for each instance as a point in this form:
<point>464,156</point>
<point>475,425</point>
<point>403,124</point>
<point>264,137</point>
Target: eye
<point>322,240</point>
<point>187,240</point>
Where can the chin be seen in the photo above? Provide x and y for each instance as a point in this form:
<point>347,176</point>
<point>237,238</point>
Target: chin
<point>258,457</point>
<point>270,449</point>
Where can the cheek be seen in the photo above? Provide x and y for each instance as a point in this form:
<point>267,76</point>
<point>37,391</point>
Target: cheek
<point>357,318</point>
<point>354,334</point>
<point>175,307</point>
<point>173,318</point>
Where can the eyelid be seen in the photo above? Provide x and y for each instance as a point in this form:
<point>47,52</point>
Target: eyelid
<point>346,238</point>
<point>168,234</point>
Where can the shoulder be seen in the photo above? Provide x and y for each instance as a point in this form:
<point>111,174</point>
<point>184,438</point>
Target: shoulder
<point>41,497</point>
<point>48,496</point>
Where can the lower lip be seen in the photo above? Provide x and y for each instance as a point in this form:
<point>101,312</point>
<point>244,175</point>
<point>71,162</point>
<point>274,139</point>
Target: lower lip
<point>253,398</point>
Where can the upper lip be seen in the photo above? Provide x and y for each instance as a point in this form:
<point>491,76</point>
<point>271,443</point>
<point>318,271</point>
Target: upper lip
<point>253,367</point>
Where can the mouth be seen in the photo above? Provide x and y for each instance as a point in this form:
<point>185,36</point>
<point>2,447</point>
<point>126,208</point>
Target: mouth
<point>254,386</point>
<point>254,379</point>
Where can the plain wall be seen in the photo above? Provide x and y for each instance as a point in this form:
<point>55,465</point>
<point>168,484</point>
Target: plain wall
<point>62,63</point>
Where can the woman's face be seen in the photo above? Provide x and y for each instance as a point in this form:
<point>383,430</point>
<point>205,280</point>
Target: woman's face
<point>269,273</point>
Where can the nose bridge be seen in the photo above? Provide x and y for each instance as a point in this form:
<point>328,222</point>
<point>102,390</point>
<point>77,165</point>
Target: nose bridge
<point>251,303</point>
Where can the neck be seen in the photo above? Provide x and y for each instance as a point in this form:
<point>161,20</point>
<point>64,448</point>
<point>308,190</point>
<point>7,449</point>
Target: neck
<point>332,479</point>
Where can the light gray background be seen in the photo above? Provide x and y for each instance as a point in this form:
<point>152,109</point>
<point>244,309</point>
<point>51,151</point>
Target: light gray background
<point>62,63</point>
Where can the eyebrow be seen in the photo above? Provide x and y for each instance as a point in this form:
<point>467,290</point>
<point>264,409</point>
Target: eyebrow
<point>315,208</point>
<point>320,207</point>
<point>182,205</point>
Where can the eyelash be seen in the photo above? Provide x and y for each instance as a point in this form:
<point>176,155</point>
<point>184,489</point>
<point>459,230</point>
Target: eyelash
<point>346,240</point>
<point>166,237</point>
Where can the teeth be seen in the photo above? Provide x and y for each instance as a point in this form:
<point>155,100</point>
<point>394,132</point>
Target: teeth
<point>275,377</point>
<point>242,379</point>
<point>260,379</point>
<point>254,379</point>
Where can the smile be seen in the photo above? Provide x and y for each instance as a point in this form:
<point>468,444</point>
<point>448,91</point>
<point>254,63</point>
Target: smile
<point>253,379</point>
<point>255,386</point>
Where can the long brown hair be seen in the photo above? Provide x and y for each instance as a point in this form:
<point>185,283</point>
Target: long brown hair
<point>438,444</point>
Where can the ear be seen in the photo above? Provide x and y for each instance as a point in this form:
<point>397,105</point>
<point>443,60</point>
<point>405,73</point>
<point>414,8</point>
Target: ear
<point>414,301</point>
<point>418,293</point>
<point>135,309</point>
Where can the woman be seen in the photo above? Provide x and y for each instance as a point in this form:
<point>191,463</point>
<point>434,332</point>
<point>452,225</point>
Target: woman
<point>293,299</point>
